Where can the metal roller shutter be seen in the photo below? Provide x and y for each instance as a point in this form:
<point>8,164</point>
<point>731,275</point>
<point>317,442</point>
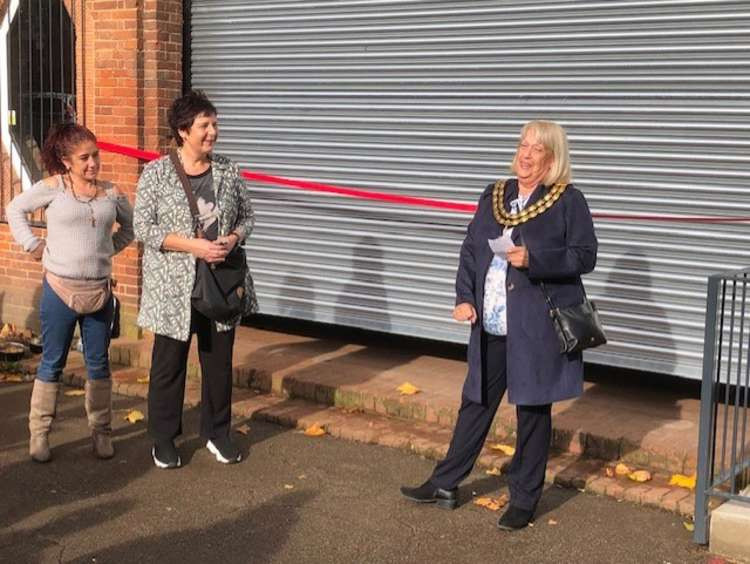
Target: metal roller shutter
<point>427,98</point>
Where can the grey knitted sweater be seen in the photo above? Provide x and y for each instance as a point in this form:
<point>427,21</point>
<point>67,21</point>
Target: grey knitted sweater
<point>74,247</point>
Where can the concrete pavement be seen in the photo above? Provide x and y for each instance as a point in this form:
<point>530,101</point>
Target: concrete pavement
<point>294,499</point>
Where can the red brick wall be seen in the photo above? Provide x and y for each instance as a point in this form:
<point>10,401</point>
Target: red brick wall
<point>129,69</point>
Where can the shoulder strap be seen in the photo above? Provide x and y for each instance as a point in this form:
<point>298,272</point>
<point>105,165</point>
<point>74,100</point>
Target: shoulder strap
<point>188,190</point>
<point>549,300</point>
<point>546,296</point>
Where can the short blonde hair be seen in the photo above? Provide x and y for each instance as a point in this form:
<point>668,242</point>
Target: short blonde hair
<point>554,139</point>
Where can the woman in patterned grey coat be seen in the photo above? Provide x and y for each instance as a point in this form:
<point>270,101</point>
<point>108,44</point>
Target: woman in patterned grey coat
<point>163,222</point>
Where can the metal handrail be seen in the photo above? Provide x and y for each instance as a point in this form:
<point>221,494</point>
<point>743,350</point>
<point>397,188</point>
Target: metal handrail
<point>724,458</point>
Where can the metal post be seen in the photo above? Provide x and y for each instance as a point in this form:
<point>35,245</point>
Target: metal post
<point>705,454</point>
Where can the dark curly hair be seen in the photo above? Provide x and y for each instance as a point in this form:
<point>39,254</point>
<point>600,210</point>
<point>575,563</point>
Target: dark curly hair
<point>185,109</point>
<point>62,139</point>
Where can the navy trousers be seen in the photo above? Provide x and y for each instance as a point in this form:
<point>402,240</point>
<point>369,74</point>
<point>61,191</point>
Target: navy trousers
<point>534,432</point>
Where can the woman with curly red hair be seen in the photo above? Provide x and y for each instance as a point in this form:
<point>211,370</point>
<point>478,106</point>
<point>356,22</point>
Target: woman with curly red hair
<point>76,254</point>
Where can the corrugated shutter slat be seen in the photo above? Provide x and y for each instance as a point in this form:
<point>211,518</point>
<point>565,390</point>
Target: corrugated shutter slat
<point>427,98</point>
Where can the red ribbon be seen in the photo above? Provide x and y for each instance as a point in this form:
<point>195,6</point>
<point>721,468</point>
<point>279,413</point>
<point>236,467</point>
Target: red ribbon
<point>407,200</point>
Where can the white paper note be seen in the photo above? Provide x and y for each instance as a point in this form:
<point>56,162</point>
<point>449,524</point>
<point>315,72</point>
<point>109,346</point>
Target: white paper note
<point>501,245</point>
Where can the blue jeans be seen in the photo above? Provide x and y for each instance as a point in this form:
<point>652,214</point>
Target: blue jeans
<point>58,326</point>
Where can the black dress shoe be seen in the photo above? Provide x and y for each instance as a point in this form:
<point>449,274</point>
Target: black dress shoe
<point>514,518</point>
<point>427,493</point>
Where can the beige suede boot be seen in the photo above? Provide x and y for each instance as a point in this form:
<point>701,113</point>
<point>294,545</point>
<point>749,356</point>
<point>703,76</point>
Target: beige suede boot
<point>99,411</point>
<point>41,413</point>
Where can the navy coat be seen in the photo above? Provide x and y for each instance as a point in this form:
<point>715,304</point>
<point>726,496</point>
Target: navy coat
<point>562,246</point>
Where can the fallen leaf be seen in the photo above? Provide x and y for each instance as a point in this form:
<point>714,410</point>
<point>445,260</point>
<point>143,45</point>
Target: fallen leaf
<point>689,526</point>
<point>315,430</point>
<point>610,472</point>
<point>301,476</point>
<point>75,393</point>
<point>288,487</point>
<point>622,469</point>
<point>493,472</point>
<point>143,380</point>
<point>683,481</point>
<point>493,504</point>
<point>640,476</point>
<point>408,389</point>
<point>243,429</point>
<point>505,449</point>
<point>552,522</point>
<point>134,416</point>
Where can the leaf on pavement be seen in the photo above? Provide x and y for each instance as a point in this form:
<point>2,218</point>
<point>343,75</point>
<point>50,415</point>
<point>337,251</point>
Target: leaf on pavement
<point>134,416</point>
<point>688,525</point>
<point>505,449</point>
<point>143,380</point>
<point>640,476</point>
<point>552,522</point>
<point>493,472</point>
<point>288,487</point>
<point>243,429</point>
<point>315,430</point>
<point>622,469</point>
<point>493,504</point>
<point>407,389</point>
<point>683,481</point>
<point>75,393</point>
<point>11,378</point>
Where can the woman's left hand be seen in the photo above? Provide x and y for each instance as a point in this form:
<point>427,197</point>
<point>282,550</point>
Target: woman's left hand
<point>518,257</point>
<point>228,241</point>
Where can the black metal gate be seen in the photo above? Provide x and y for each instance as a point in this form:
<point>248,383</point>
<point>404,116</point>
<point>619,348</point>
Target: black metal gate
<point>723,444</point>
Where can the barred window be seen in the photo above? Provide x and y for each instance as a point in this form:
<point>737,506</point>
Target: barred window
<point>41,68</point>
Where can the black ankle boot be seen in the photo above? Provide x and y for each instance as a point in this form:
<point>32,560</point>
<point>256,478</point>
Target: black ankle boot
<point>428,493</point>
<point>514,518</point>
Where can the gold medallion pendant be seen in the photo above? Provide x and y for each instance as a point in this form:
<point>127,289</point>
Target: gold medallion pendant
<point>529,212</point>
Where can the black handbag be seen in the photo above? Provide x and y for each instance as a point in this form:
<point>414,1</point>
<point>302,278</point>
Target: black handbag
<point>578,327</point>
<point>219,290</point>
<point>114,326</point>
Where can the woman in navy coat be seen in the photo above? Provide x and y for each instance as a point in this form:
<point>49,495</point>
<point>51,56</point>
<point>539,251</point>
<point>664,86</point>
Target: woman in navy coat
<point>513,344</point>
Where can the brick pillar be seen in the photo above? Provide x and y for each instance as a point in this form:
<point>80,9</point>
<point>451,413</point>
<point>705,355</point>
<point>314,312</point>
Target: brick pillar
<point>133,72</point>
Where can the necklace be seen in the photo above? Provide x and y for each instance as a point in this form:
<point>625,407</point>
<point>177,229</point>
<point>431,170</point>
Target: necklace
<point>182,162</point>
<point>87,202</point>
<point>538,207</point>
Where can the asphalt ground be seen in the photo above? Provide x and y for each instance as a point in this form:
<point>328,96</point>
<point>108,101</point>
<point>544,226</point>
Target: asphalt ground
<point>293,499</point>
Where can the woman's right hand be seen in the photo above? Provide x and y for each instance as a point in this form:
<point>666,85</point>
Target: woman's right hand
<point>465,312</point>
<point>38,251</point>
<point>209,251</point>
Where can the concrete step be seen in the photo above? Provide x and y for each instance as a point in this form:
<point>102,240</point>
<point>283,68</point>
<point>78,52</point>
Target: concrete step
<point>611,421</point>
<point>565,469</point>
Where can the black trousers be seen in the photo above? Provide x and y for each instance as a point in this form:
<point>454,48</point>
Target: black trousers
<point>166,387</point>
<point>534,432</point>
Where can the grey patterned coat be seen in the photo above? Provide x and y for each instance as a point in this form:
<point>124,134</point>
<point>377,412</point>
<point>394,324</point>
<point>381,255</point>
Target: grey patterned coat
<point>161,208</point>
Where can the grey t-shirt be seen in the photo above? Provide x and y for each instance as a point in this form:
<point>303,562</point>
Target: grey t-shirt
<point>203,188</point>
